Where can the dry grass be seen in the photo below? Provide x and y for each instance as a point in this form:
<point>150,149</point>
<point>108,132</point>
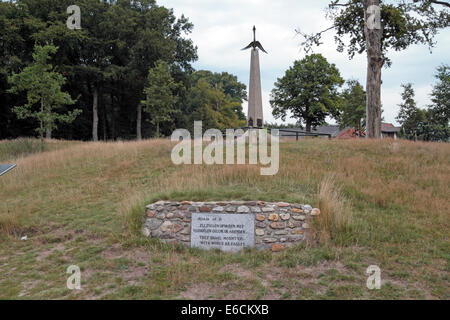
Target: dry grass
<point>335,217</point>
<point>387,203</point>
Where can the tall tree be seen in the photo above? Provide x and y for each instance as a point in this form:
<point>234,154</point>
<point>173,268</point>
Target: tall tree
<point>426,125</point>
<point>353,106</point>
<point>95,52</point>
<point>158,36</point>
<point>308,90</point>
<point>376,26</point>
<point>43,87</point>
<point>440,96</point>
<point>410,117</point>
<point>160,95</point>
<point>16,48</point>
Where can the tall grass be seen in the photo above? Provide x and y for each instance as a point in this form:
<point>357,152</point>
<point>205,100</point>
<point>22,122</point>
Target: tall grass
<point>335,219</point>
<point>11,149</point>
<point>9,223</point>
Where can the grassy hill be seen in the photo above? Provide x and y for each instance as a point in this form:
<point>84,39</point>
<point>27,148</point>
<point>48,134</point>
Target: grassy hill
<point>384,203</point>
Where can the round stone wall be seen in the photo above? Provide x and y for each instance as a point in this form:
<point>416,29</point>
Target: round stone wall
<point>265,225</point>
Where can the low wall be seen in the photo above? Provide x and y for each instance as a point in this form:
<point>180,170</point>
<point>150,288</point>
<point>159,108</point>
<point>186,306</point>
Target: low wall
<point>229,225</point>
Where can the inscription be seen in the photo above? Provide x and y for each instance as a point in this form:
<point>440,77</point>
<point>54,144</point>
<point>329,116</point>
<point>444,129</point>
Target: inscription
<point>227,232</point>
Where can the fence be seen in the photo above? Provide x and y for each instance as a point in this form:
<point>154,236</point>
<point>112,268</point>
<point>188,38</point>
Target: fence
<point>290,133</point>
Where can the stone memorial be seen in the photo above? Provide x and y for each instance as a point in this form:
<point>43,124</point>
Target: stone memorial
<point>229,226</point>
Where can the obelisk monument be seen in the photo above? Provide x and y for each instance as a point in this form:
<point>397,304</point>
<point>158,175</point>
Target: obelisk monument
<point>255,110</point>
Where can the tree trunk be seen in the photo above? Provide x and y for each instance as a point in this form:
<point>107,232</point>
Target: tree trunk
<point>41,123</point>
<point>48,133</point>
<point>375,61</point>
<point>139,122</point>
<point>95,115</point>
<point>111,114</point>
<point>105,136</point>
<point>308,126</point>
<point>157,129</point>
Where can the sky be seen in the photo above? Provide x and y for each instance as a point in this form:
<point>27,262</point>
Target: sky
<point>222,28</point>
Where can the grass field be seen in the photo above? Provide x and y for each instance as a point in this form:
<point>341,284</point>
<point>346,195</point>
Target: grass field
<point>82,204</point>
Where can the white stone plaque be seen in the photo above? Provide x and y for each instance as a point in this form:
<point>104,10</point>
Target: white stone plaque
<point>227,232</point>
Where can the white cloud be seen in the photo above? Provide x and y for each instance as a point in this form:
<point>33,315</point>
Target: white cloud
<point>222,28</point>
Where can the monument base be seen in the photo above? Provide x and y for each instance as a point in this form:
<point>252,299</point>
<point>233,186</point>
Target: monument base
<point>229,226</point>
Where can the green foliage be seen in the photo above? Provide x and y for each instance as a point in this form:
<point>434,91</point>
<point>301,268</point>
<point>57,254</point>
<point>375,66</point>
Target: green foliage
<point>409,115</point>
<point>431,129</point>
<point>353,106</point>
<point>160,95</point>
<point>43,87</point>
<point>437,124</point>
<point>215,99</point>
<point>440,96</point>
<point>228,83</point>
<point>112,53</point>
<point>308,90</point>
<point>403,23</point>
<point>426,125</point>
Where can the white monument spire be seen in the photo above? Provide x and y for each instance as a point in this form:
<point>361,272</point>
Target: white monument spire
<point>255,110</point>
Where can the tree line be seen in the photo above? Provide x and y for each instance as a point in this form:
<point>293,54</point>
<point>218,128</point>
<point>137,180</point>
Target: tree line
<point>127,73</point>
<point>376,27</point>
<point>430,123</point>
<point>311,90</point>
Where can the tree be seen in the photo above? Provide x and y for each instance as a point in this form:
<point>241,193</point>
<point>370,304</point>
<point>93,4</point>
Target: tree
<point>160,95</point>
<point>426,125</point>
<point>375,26</point>
<point>228,84</point>
<point>410,117</point>
<point>43,87</point>
<point>437,125</point>
<point>16,48</point>
<point>353,106</point>
<point>308,90</point>
<point>159,36</point>
<point>440,96</point>
<point>210,104</point>
<point>431,129</point>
